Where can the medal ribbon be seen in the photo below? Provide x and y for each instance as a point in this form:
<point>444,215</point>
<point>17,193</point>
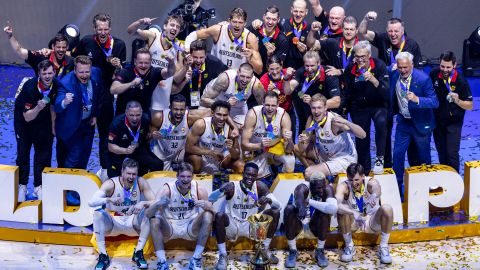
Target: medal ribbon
<point>175,43</point>
<point>43,90</point>
<point>59,69</point>
<point>199,73</point>
<point>268,125</point>
<point>137,133</point>
<point>137,74</point>
<point>346,57</point>
<point>359,198</point>
<point>314,125</point>
<point>308,82</point>
<point>449,81</point>
<point>250,192</point>
<point>266,38</point>
<point>108,47</point>
<point>238,42</point>
<point>277,83</point>
<point>240,95</point>
<point>392,57</point>
<point>297,29</point>
<point>405,86</point>
<point>220,136</point>
<point>188,199</point>
<point>128,193</point>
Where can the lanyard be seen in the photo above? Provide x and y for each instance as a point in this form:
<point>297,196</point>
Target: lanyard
<point>359,198</point>
<point>277,83</point>
<point>137,134</point>
<point>195,72</point>
<point>249,192</point>
<point>268,125</point>
<point>314,125</point>
<point>392,57</point>
<point>238,42</point>
<point>449,81</point>
<point>240,95</point>
<point>173,43</point>
<point>220,136</point>
<point>308,82</point>
<point>188,199</point>
<point>137,75</point>
<point>59,69</point>
<point>405,86</point>
<point>266,38</point>
<point>43,90</point>
<point>108,47</point>
<point>346,57</point>
<point>297,29</point>
<point>128,193</point>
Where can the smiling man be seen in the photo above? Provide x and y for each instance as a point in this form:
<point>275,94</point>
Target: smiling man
<point>331,21</point>
<point>233,43</point>
<point>62,63</point>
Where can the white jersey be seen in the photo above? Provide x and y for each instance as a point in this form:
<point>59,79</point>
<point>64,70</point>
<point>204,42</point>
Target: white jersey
<point>260,129</point>
<point>180,206</point>
<point>352,202</point>
<point>240,108</point>
<point>215,142</point>
<point>173,138</point>
<point>242,205</point>
<point>127,197</point>
<point>161,94</point>
<point>226,50</point>
<point>332,146</point>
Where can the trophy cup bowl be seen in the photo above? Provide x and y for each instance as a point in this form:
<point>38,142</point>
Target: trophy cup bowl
<point>259,224</point>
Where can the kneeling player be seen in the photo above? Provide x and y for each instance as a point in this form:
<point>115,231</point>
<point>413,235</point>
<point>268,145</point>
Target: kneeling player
<point>181,211</point>
<point>359,209</point>
<point>121,195</point>
<point>310,210</point>
<point>243,199</point>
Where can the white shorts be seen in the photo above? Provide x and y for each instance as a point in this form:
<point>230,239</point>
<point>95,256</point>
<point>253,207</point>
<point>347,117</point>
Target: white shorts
<point>239,119</point>
<point>370,225</point>
<point>211,165</point>
<point>123,225</point>
<point>339,164</point>
<point>182,229</point>
<point>161,95</point>
<point>237,228</point>
<point>168,162</point>
<point>266,159</point>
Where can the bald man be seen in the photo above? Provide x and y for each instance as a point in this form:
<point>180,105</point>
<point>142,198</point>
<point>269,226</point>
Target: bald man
<point>331,21</point>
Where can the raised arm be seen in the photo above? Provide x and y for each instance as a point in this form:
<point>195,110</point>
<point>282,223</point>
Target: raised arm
<point>193,137</point>
<point>363,27</point>
<point>317,8</point>
<point>204,33</point>
<point>344,125</point>
<point>213,89</point>
<point>253,56</point>
<point>247,132</point>
<point>258,91</point>
<point>343,207</point>
<point>312,42</point>
<point>19,50</point>
<point>132,28</point>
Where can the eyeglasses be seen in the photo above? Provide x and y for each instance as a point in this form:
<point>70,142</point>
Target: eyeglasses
<point>361,56</point>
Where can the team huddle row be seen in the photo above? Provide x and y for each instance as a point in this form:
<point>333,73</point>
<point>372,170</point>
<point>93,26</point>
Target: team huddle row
<point>182,209</point>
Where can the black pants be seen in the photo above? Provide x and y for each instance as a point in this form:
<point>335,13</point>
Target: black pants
<point>147,160</point>
<point>42,141</point>
<point>103,125</point>
<point>447,141</point>
<point>303,111</point>
<point>363,117</point>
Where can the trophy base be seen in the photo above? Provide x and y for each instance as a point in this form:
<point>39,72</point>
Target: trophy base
<point>260,261</point>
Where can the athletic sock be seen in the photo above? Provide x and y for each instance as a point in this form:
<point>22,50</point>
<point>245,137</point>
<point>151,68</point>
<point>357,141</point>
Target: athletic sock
<point>321,243</point>
<point>144,233</point>
<point>348,239</point>
<point>384,239</point>
<point>99,230</point>
<point>161,255</point>
<point>222,248</point>
<point>198,251</point>
<point>292,244</point>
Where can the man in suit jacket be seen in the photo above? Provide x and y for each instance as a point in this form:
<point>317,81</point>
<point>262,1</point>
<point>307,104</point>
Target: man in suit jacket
<point>413,99</point>
<point>77,108</point>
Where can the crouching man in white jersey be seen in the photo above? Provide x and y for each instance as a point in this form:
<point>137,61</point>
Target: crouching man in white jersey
<point>267,135</point>
<point>120,211</point>
<point>174,126</point>
<point>309,210</point>
<point>326,145</point>
<point>359,209</point>
<point>243,199</point>
<point>235,87</point>
<point>182,210</point>
<point>210,143</point>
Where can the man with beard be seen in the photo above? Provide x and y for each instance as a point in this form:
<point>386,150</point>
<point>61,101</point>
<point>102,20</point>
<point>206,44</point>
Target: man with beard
<point>107,53</point>
<point>243,198</point>
<point>235,87</point>
<point>309,210</point>
<point>310,80</point>
<point>331,22</point>
<point>271,40</point>
<point>233,43</point>
<point>325,145</point>
<point>454,97</point>
<point>267,135</point>
<point>33,120</point>
<point>210,144</point>
<point>359,209</point>
<point>128,137</point>
<point>139,82</point>
<point>202,68</point>
<point>120,210</point>
<point>182,211</point>
<point>62,63</point>
<point>163,45</point>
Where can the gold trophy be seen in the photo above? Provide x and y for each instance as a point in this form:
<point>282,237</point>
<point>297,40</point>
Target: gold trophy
<point>258,232</point>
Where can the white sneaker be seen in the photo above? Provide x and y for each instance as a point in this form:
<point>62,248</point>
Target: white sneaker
<point>102,174</point>
<point>348,253</point>
<point>37,192</point>
<point>378,167</point>
<point>384,254</point>
<point>22,193</point>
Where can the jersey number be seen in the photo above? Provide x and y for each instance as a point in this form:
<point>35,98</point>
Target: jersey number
<point>174,145</point>
<point>180,216</point>
<point>244,215</point>
<point>229,62</point>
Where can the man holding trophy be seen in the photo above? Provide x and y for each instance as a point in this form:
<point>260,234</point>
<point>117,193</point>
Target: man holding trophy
<point>243,199</point>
